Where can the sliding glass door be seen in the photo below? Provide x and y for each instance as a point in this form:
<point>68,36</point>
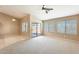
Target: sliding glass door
<point>36,29</point>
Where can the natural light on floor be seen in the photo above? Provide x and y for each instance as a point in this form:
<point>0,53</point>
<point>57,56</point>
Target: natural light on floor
<point>43,44</point>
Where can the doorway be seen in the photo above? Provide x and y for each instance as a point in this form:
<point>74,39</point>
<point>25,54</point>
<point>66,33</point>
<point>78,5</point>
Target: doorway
<point>36,29</point>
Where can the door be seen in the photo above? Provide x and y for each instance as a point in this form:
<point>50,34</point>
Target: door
<point>36,29</point>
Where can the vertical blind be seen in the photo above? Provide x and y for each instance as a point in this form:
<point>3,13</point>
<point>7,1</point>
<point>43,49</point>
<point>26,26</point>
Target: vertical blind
<point>64,26</point>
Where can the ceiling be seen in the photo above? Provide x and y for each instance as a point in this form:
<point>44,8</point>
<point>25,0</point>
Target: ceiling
<point>21,10</point>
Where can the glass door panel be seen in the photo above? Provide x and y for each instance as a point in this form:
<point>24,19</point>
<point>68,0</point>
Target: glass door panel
<point>36,29</point>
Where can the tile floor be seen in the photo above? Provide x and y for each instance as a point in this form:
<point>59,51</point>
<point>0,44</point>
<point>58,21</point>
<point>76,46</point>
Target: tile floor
<point>43,45</point>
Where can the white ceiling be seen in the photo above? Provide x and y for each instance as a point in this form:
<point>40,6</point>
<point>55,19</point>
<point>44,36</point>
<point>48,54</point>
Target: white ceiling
<point>35,10</point>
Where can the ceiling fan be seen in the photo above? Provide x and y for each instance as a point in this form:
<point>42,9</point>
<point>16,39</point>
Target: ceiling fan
<point>46,9</point>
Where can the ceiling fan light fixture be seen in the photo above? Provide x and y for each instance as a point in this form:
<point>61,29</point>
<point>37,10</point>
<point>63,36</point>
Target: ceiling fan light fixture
<point>46,9</point>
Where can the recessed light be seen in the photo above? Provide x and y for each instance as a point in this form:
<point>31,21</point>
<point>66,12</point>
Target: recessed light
<point>13,19</point>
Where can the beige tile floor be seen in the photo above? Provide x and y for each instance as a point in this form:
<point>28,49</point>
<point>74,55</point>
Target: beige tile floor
<point>43,45</point>
<point>10,39</point>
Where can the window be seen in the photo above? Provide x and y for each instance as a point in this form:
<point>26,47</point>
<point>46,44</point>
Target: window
<point>51,27</point>
<point>61,27</point>
<point>64,26</point>
<point>71,27</point>
<point>24,27</point>
<point>46,27</point>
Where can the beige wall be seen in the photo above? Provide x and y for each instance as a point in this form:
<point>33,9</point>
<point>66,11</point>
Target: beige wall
<point>65,36</point>
<point>7,26</point>
<point>11,32</point>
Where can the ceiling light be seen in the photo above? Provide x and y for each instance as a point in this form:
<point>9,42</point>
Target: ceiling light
<point>13,19</point>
